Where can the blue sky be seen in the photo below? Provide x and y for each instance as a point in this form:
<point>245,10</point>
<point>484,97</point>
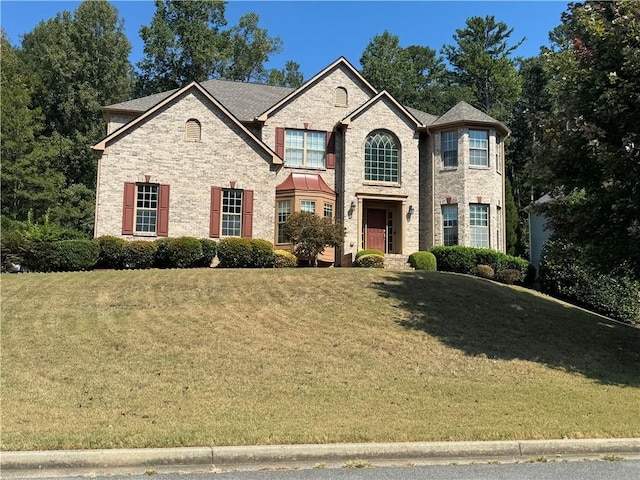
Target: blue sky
<point>315,33</point>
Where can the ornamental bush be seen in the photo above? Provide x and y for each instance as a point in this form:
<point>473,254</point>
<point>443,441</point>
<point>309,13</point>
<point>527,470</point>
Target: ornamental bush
<point>139,254</point>
<point>423,261</point>
<point>182,252</point>
<point>234,252</point>
<point>368,251</point>
<point>509,276</point>
<point>76,255</point>
<point>261,254</point>
<point>372,260</point>
<point>485,271</point>
<point>454,259</point>
<point>565,274</point>
<point>111,252</point>
<point>284,259</point>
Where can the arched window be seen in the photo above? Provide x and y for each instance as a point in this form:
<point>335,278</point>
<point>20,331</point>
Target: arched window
<point>341,97</point>
<point>381,158</point>
<point>192,130</point>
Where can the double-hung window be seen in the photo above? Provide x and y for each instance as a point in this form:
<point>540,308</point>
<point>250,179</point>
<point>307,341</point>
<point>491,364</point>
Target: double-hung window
<point>450,149</point>
<point>308,206</point>
<point>381,158</point>
<point>450,224</point>
<point>284,212</point>
<point>304,148</point>
<point>231,213</point>
<point>479,225</point>
<point>479,148</point>
<point>147,208</point>
<point>328,211</point>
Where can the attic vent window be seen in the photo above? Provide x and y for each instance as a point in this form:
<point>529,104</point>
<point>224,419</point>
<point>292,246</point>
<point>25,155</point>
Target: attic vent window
<point>341,97</point>
<point>192,130</point>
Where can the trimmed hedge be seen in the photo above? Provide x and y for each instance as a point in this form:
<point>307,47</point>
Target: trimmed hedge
<point>139,254</point>
<point>76,255</point>
<point>564,274</point>
<point>423,261</point>
<point>262,255</point>
<point>111,252</point>
<point>234,252</point>
<point>372,260</point>
<point>209,251</point>
<point>284,259</point>
<point>183,252</point>
<point>368,251</point>
<point>466,259</point>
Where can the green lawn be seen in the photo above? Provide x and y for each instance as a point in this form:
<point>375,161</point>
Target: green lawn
<point>227,357</point>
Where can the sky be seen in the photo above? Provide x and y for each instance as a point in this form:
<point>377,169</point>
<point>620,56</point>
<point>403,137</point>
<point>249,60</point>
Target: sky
<point>316,33</point>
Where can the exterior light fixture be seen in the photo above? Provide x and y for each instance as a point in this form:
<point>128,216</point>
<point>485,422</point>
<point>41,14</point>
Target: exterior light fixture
<point>411,210</point>
<point>352,208</point>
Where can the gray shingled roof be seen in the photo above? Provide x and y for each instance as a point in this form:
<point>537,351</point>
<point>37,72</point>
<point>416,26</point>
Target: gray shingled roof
<point>463,112</point>
<point>244,100</point>
<point>424,117</point>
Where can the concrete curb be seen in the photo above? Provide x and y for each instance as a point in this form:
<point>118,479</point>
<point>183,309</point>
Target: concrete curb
<point>254,457</point>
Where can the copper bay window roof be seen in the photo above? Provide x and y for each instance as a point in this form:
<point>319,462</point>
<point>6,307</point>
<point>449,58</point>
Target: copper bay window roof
<point>304,182</point>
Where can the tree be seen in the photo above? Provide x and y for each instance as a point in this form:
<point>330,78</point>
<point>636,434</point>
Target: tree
<point>512,222</point>
<point>415,75</point>
<point>250,47</point>
<point>183,43</point>
<point>592,131</point>
<point>289,76</point>
<point>481,62</point>
<point>311,235</point>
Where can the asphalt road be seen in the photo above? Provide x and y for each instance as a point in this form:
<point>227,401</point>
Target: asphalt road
<point>582,470</point>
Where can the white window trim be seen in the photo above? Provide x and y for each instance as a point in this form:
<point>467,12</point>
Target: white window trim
<point>224,214</point>
<point>442,137</point>
<point>486,150</point>
<point>138,208</point>
<point>305,149</point>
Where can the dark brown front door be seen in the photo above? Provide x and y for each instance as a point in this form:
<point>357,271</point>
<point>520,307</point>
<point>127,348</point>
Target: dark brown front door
<point>376,227</point>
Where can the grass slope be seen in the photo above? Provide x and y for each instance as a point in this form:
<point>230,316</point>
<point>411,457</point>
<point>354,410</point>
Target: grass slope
<point>225,357</point>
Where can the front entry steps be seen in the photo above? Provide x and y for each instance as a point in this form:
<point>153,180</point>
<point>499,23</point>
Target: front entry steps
<point>395,261</point>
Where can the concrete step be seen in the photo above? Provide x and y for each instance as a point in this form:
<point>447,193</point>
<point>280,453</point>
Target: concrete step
<point>394,261</point>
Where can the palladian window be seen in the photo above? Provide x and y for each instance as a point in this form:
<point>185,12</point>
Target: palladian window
<point>381,158</point>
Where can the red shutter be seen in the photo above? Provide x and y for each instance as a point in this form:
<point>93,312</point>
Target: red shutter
<point>214,218</point>
<point>247,214</point>
<point>331,150</point>
<point>128,208</point>
<point>163,211</point>
<point>280,142</point>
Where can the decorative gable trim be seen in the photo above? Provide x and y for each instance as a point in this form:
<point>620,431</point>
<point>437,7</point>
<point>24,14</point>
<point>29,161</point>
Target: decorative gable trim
<point>102,145</point>
<point>379,97</point>
<point>296,93</point>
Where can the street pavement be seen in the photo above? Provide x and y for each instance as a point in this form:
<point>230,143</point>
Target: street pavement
<point>284,457</point>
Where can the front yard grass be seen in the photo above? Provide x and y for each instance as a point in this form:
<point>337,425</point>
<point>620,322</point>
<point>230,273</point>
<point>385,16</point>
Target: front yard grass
<point>162,358</point>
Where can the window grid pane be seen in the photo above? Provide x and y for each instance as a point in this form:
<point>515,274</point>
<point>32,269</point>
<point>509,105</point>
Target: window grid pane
<point>147,208</point>
<point>479,223</point>
<point>450,149</point>
<point>284,212</point>
<point>328,210</point>
<point>478,148</point>
<point>450,224</point>
<point>231,213</point>
<point>381,158</point>
<point>308,206</point>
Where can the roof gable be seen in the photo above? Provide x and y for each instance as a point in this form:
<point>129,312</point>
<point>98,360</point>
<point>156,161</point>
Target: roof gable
<point>382,96</point>
<point>340,63</point>
<point>176,94</point>
<point>462,112</point>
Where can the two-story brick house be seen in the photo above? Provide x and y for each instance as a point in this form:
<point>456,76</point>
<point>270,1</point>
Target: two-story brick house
<point>223,158</point>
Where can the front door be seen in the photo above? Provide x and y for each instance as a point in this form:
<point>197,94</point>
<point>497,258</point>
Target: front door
<point>376,227</point>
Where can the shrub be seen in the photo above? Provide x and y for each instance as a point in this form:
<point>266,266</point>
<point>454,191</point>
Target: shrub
<point>209,250</point>
<point>372,260</point>
<point>139,254</point>
<point>76,255</point>
<point>112,252</point>
<point>261,254</point>
<point>162,253</point>
<point>368,251</point>
<point>234,252</point>
<point>423,261</point>
<point>284,259</point>
<point>509,276</point>
<point>565,274</point>
<point>183,252</point>
<point>484,271</point>
<point>39,256</point>
<point>454,259</point>
<point>311,235</point>
<point>11,250</point>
